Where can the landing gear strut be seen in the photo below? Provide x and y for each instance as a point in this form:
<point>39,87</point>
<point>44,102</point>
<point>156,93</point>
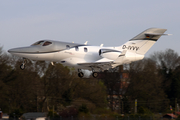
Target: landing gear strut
<point>80,73</point>
<point>22,66</point>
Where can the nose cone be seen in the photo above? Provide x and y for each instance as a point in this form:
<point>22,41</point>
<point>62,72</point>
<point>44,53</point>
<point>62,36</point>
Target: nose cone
<point>16,50</point>
<point>22,50</point>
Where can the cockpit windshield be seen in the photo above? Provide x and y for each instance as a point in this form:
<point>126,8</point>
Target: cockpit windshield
<point>38,43</point>
<point>47,43</point>
<point>42,42</point>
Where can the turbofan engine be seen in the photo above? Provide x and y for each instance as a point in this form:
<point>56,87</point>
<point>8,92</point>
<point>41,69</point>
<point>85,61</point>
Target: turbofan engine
<point>109,53</point>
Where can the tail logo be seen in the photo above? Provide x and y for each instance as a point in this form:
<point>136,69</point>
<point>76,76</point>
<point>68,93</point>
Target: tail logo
<point>130,47</point>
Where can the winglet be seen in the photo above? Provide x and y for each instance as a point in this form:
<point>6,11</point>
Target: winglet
<point>52,63</point>
<point>101,45</point>
<point>86,42</point>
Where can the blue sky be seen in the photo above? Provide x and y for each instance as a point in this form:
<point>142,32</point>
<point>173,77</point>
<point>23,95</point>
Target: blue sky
<point>111,22</point>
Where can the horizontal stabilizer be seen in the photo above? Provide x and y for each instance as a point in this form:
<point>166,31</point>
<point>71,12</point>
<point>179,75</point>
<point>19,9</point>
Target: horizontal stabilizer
<point>150,34</point>
<point>156,34</point>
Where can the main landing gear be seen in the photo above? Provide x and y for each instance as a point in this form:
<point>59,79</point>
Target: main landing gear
<point>95,74</point>
<point>22,66</point>
<point>81,74</point>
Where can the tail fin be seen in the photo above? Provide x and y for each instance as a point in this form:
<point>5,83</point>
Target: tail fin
<point>141,43</point>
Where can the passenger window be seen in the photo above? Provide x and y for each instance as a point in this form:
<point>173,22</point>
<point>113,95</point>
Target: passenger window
<point>47,43</point>
<point>76,48</point>
<point>85,49</point>
<point>67,47</point>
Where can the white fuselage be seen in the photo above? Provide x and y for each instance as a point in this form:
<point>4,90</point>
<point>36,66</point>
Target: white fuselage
<point>68,57</point>
<point>83,56</point>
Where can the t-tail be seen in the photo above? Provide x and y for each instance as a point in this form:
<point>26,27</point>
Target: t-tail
<point>137,47</point>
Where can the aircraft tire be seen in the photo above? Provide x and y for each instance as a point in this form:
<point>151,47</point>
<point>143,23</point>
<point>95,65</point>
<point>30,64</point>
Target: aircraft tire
<point>80,74</point>
<point>95,74</point>
<point>22,66</point>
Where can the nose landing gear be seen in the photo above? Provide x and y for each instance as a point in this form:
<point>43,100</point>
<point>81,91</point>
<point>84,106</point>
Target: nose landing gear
<point>80,73</point>
<point>22,66</point>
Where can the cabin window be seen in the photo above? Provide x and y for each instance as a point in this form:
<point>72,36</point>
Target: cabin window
<point>85,49</point>
<point>47,43</point>
<point>67,47</point>
<point>76,48</point>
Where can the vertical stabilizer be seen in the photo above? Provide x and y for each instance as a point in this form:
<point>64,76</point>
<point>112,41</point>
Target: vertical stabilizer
<point>141,43</point>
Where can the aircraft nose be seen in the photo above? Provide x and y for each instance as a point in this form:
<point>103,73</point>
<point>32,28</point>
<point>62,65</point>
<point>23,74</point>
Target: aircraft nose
<point>20,50</point>
<point>14,50</point>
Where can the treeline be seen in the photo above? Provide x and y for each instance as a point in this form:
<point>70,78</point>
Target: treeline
<point>42,87</point>
<point>154,82</point>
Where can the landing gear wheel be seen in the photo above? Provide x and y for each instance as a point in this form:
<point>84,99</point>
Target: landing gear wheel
<point>95,74</point>
<point>80,74</point>
<point>22,66</point>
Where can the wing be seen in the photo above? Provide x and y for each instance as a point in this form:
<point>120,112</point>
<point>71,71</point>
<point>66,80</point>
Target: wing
<point>102,64</point>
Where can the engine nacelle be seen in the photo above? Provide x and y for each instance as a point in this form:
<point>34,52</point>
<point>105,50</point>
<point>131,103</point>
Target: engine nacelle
<point>109,53</point>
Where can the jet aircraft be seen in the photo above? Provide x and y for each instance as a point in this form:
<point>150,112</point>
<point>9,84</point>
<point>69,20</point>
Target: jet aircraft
<point>84,56</point>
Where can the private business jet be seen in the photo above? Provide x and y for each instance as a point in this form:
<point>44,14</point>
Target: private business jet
<point>94,58</point>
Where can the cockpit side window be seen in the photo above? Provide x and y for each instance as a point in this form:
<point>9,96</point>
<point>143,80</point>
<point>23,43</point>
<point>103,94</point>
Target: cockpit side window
<point>47,43</point>
<point>38,43</point>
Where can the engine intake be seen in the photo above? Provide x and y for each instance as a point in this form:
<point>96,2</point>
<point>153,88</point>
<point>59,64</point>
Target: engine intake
<point>109,53</point>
